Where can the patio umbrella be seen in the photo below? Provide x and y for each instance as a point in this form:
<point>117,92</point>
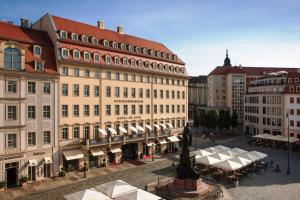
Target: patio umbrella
<point>229,153</point>
<point>220,156</point>
<point>138,195</point>
<point>115,188</point>
<point>239,151</point>
<point>258,154</point>
<point>88,194</point>
<point>212,150</point>
<point>201,153</point>
<point>241,160</point>
<point>207,160</point>
<point>249,156</point>
<point>221,147</point>
<point>228,165</point>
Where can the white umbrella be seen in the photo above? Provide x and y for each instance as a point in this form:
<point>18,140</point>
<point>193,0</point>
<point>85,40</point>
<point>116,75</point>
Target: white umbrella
<point>241,160</point>
<point>249,156</point>
<point>115,188</point>
<point>207,160</point>
<point>201,153</point>
<point>228,165</point>
<point>258,154</point>
<point>220,156</point>
<point>229,153</point>
<point>89,194</point>
<point>138,195</point>
<point>221,147</point>
<point>212,150</point>
<point>239,151</point>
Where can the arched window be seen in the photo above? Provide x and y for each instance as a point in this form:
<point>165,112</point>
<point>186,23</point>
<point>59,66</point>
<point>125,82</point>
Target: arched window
<point>133,63</point>
<point>12,58</point>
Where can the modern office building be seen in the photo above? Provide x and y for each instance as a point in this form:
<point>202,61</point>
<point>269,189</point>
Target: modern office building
<point>121,97</point>
<point>198,93</point>
<point>28,104</point>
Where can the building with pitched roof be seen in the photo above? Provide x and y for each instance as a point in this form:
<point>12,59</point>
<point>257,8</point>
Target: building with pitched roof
<point>121,97</point>
<point>28,104</point>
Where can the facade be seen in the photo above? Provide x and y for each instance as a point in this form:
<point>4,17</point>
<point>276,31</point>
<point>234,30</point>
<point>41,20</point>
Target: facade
<point>121,97</point>
<point>227,85</point>
<point>198,94</point>
<point>28,104</point>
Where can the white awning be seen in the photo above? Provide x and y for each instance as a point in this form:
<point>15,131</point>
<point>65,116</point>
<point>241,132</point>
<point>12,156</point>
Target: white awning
<point>48,160</point>
<point>148,127</point>
<point>133,129</point>
<point>123,130</point>
<point>140,128</point>
<point>170,125</point>
<point>97,152</point>
<point>73,154</point>
<point>156,126</point>
<point>102,131</point>
<point>116,150</point>
<point>32,162</point>
<point>162,142</point>
<point>112,131</point>
<point>173,139</point>
<point>164,126</point>
<point>149,143</point>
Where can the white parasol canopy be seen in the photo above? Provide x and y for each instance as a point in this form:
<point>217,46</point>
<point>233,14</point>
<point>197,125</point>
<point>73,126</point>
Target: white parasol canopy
<point>115,188</point>
<point>221,147</point>
<point>156,126</point>
<point>133,129</point>
<point>249,156</point>
<point>112,131</point>
<point>201,153</point>
<point>239,151</point>
<point>220,156</point>
<point>88,194</point>
<point>258,154</point>
<point>207,160</point>
<point>212,150</point>
<point>229,153</point>
<point>228,165</point>
<point>241,160</point>
<point>138,195</point>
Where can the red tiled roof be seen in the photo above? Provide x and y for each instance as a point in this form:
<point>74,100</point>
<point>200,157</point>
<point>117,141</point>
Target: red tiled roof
<point>28,37</point>
<point>79,28</point>
<point>250,71</point>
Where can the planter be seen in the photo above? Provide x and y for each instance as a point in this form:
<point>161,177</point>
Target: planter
<point>2,189</point>
<point>24,184</point>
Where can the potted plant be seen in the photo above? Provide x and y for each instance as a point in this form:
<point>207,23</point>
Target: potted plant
<point>62,172</point>
<point>2,186</point>
<point>24,180</point>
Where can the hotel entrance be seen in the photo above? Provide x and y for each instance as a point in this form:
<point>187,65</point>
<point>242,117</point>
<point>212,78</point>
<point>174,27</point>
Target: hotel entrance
<point>129,151</point>
<point>11,173</point>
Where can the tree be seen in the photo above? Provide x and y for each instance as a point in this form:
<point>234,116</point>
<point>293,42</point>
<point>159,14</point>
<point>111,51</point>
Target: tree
<point>234,120</point>
<point>227,120</point>
<point>196,119</point>
<point>211,119</point>
<point>201,117</point>
<point>221,122</point>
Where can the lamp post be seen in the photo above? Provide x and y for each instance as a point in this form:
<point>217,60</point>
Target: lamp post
<point>153,151</point>
<point>84,169</point>
<point>195,145</point>
<point>288,144</point>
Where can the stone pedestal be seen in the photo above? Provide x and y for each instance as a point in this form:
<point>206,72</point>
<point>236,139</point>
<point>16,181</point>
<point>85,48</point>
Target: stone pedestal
<point>188,187</point>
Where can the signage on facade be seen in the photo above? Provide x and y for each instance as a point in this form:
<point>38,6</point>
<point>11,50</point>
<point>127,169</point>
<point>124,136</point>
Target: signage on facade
<point>129,117</point>
<point>128,101</point>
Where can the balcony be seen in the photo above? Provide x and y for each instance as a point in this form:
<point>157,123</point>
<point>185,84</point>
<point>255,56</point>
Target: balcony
<point>134,137</point>
<point>116,139</point>
<point>151,135</point>
<point>164,133</point>
<point>92,142</point>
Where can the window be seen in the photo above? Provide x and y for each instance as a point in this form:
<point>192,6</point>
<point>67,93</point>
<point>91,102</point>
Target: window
<point>117,77</point>
<point>46,111</point>
<point>84,38</point>
<point>64,133</point>
<point>75,72</point>
<point>133,77</point>
<point>108,91</point>
<point>183,109</point>
<point>94,41</point>
<point>65,53</point>
<point>76,110</point>
<point>155,109</point>
<point>133,63</point>
<point>114,45</point>
<point>141,93</point>
<point>117,92</point>
<point>86,73</point>
<point>108,75</point>
<point>86,90</point>
<point>133,92</point>
<point>125,61</point>
<point>31,112</point>
<point>122,46</point>
<point>31,138</point>
<point>86,110</point>
<point>147,93</point>
<point>183,95</point>
<point>125,77</point>
<point>167,109</point>
<point>133,109</point>
<point>147,109</point>
<point>11,86</point>
<point>117,109</point>
<point>96,58</point>
<point>125,92</point>
<point>47,137</point>
<point>39,66</point>
<point>291,99</point>
<point>47,88</point>
<point>64,71</point>
<point>12,59</point>
<point>291,123</point>
<point>86,56</point>
<point>64,91</point>
<point>298,100</point>
<point>125,109</point>
<point>161,108</point>
<point>140,109</point>
<point>107,60</point>
<point>31,87</point>
<point>64,110</point>
<point>141,78</point>
<point>76,132</point>
<point>11,112</point>
<point>76,54</point>
<point>108,109</point>
<point>74,36</point>
<point>106,43</point>
<point>161,94</point>
<point>117,60</point>
<point>155,93</point>
<point>173,94</point>
<point>97,74</point>
<point>178,94</point>
<point>96,91</point>
<point>86,132</point>
<point>96,131</point>
<point>96,110</point>
<point>76,90</point>
<point>173,108</point>
<point>11,140</point>
<point>63,34</point>
<point>167,94</point>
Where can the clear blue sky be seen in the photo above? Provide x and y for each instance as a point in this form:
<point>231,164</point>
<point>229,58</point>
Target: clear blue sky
<point>256,32</point>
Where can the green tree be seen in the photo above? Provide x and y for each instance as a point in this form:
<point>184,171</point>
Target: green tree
<point>234,120</point>
<point>227,120</point>
<point>201,117</point>
<point>211,119</point>
<point>196,119</point>
<point>221,123</point>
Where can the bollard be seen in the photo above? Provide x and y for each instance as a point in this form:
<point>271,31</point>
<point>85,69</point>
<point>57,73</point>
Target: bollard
<point>237,184</point>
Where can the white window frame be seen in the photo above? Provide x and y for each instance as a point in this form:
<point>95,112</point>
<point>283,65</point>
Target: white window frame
<point>62,52</point>
<point>125,60</point>
<point>96,55</point>
<point>86,53</point>
<point>94,41</point>
<point>74,51</point>
<point>37,46</point>
<point>114,45</point>
<point>74,35</point>
<point>106,43</point>
<point>61,34</point>
<point>83,37</point>
<point>106,57</point>
<point>115,60</point>
<point>35,66</point>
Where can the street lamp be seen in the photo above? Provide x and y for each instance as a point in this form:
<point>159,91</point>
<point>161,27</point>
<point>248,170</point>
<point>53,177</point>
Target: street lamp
<point>195,141</point>
<point>288,144</point>
<point>153,151</point>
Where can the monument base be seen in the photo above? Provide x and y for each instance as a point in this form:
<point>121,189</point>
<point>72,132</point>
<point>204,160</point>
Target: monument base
<point>188,187</point>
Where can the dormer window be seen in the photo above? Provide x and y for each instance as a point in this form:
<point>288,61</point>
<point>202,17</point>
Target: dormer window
<point>84,39</point>
<point>290,80</point>
<point>74,36</point>
<point>154,65</point>
<point>122,46</point>
<point>147,65</point>
<point>37,50</point>
<point>94,41</point>
<point>130,48</point>
<point>105,43</point>
<point>161,67</point>
<point>171,68</point>
<point>39,66</point>
<point>86,56</point>
<point>167,68</point>
<point>145,51</point>
<point>140,63</point>
<point>63,34</point>
<point>65,53</point>
<point>291,88</point>
<point>76,54</point>
<point>182,70</point>
<point>96,58</point>
<point>114,45</point>
<point>117,60</point>
<point>107,60</point>
<point>151,52</point>
<point>137,50</point>
<point>133,63</point>
<point>164,55</point>
<point>174,57</point>
<point>169,56</point>
<point>298,89</point>
<point>125,61</point>
<point>157,53</point>
<point>296,80</point>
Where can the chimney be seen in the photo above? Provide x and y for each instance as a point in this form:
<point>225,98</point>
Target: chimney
<point>100,24</point>
<point>24,23</point>
<point>120,29</point>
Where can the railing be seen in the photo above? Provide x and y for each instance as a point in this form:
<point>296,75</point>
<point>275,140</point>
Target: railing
<point>164,133</point>
<point>151,135</point>
<point>134,137</point>
<point>116,138</point>
<point>88,142</point>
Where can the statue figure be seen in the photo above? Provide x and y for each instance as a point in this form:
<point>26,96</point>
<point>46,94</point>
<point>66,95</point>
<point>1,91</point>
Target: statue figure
<point>187,168</point>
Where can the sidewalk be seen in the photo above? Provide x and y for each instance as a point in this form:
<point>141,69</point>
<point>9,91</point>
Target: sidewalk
<point>73,177</point>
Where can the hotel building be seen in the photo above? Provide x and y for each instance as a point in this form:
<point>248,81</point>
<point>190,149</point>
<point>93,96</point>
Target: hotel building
<point>121,97</point>
<point>28,104</point>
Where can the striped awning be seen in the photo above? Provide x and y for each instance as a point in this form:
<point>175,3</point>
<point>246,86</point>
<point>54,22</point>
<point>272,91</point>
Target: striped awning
<point>32,162</point>
<point>163,126</point>
<point>122,129</point>
<point>48,160</point>
<point>133,129</point>
<point>97,152</point>
<point>170,125</point>
<point>73,154</point>
<point>156,126</point>
<point>140,128</point>
<point>112,131</point>
<point>173,139</point>
<point>148,127</point>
